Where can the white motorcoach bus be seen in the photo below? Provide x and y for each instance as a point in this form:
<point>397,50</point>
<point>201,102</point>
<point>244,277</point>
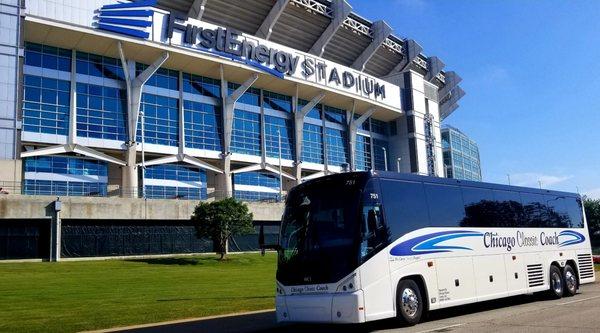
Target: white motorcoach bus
<point>363,246</point>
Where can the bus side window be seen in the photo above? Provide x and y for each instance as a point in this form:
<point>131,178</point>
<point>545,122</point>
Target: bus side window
<point>373,230</point>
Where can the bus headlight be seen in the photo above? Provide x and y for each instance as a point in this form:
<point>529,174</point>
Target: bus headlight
<point>349,284</point>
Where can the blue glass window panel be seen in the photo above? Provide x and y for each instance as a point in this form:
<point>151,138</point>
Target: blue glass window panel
<point>45,107</point>
<point>47,57</point>
<point>337,151</point>
<point>312,146</point>
<point>378,155</point>
<point>335,115</point>
<point>314,113</point>
<point>277,102</point>
<point>163,78</point>
<point>201,85</point>
<point>100,66</point>
<point>269,183</point>
<point>363,153</point>
<point>246,133</point>
<point>202,126</point>
<point>178,172</point>
<point>161,112</point>
<point>250,97</point>
<point>64,166</point>
<point>284,126</point>
<point>378,126</point>
<point>98,116</point>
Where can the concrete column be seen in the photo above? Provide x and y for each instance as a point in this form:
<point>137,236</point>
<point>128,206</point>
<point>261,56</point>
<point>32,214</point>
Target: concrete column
<point>354,124</point>
<point>55,230</point>
<point>224,181</point>
<point>134,86</point>
<point>299,116</point>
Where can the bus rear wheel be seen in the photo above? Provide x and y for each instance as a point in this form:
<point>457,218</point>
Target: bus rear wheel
<point>409,302</point>
<point>571,283</point>
<point>556,283</point>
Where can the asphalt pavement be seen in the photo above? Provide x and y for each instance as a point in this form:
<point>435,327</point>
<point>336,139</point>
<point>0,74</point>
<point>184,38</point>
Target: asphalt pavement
<point>527,313</point>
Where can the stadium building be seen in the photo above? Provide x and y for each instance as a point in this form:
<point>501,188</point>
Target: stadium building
<point>461,155</point>
<point>113,110</point>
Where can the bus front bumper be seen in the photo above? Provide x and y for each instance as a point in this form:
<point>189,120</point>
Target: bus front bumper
<point>321,308</point>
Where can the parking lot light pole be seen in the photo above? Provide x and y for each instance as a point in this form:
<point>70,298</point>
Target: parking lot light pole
<point>385,158</point>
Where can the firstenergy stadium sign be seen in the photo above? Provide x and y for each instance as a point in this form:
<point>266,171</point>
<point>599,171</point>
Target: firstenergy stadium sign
<point>140,19</point>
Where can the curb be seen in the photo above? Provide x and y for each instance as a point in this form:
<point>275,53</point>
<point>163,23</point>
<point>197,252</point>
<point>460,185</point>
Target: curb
<point>179,321</point>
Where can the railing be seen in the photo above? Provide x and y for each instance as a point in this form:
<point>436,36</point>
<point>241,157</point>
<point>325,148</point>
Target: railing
<point>79,189</point>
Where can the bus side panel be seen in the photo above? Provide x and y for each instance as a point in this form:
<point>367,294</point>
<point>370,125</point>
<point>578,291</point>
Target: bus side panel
<point>490,277</point>
<point>375,281</point>
<point>420,267</point>
<point>456,281</point>
<point>516,278</point>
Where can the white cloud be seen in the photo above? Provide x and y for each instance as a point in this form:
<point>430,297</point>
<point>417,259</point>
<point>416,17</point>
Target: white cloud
<point>532,179</point>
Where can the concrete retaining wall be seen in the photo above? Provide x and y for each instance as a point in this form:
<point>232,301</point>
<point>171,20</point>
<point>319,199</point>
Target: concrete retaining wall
<point>32,207</point>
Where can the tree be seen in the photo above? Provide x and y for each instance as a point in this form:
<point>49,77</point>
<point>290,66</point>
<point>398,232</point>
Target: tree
<point>220,220</point>
<point>592,214</point>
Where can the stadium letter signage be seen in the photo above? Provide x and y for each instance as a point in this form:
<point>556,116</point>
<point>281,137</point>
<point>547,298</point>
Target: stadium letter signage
<point>277,60</point>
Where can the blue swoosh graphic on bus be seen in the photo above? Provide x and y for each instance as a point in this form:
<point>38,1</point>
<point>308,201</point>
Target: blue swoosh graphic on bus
<point>573,238</point>
<point>127,18</point>
<point>430,243</point>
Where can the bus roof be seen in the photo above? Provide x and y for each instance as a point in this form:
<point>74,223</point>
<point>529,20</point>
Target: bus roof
<point>447,181</point>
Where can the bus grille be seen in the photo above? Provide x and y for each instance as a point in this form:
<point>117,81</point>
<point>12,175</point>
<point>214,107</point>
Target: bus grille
<point>586,266</point>
<point>535,275</point>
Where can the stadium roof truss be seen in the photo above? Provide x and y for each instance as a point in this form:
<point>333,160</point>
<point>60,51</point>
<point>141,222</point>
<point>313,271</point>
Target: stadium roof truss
<point>327,28</point>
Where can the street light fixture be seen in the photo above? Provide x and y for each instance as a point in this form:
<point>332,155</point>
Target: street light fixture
<point>385,158</point>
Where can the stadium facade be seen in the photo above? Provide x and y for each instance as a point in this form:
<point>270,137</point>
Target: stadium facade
<point>139,103</point>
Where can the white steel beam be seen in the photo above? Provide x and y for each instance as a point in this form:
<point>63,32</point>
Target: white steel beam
<point>381,31</point>
<point>434,67</point>
<point>341,10</point>
<point>250,168</point>
<point>452,80</point>
<point>411,51</point>
<point>197,9</point>
<point>266,28</point>
<point>353,130</point>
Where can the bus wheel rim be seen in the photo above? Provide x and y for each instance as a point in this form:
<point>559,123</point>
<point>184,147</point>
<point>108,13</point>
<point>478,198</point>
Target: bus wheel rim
<point>556,283</point>
<point>570,280</point>
<point>410,302</point>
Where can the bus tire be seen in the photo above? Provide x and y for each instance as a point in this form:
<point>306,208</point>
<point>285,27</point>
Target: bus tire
<point>556,283</point>
<point>570,279</point>
<point>409,302</point>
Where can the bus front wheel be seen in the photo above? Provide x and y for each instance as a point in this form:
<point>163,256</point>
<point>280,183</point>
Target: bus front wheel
<point>409,302</point>
<point>556,282</point>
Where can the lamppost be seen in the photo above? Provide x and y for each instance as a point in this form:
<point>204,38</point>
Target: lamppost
<point>280,176</point>
<point>385,158</point>
<point>398,163</point>
<point>143,158</point>
<point>508,176</point>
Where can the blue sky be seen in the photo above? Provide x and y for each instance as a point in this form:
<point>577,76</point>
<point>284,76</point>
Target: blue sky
<point>531,71</point>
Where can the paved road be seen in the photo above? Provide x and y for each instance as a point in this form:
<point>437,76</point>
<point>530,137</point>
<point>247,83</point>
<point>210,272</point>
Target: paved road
<point>580,313</point>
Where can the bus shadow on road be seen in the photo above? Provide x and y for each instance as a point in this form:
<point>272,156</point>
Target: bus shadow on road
<point>390,324</point>
<point>264,322</point>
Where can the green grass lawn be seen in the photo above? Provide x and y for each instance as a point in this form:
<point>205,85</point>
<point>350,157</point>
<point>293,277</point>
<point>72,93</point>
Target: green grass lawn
<point>74,296</point>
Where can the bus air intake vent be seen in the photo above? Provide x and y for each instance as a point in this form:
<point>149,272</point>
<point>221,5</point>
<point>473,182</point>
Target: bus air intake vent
<point>535,275</point>
<point>586,266</point>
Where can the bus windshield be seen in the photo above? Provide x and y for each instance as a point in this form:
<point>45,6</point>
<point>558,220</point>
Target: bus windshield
<point>319,240</point>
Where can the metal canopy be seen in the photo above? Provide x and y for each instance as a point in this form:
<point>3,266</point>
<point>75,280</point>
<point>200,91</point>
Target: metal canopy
<point>301,23</point>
